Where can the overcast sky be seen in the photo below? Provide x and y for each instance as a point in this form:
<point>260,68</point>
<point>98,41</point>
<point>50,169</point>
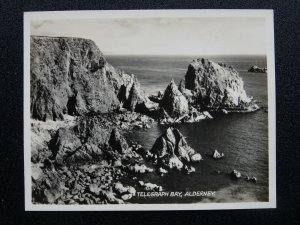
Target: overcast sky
<point>164,36</point>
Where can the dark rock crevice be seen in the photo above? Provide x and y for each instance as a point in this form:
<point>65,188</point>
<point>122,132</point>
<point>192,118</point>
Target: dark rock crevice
<point>71,106</point>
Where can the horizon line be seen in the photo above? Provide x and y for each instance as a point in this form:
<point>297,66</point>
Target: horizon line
<point>114,54</point>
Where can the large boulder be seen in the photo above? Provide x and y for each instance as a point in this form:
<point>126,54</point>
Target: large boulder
<point>89,139</point>
<point>82,142</point>
<point>71,76</point>
<point>216,86</point>
<point>172,151</point>
<point>173,101</point>
<point>86,140</point>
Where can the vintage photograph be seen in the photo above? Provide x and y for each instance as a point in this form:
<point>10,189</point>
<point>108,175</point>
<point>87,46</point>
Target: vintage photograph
<point>149,110</point>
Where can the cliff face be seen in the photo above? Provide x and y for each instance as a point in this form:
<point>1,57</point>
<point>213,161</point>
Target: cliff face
<point>215,86</point>
<point>71,76</point>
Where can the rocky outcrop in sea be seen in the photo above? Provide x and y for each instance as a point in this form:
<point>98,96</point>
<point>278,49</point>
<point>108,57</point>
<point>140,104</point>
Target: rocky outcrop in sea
<point>173,107</point>
<point>173,102</point>
<point>256,69</point>
<point>207,86</point>
<point>171,151</point>
<point>215,86</point>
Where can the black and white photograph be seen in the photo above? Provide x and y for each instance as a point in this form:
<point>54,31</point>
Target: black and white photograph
<point>149,110</point>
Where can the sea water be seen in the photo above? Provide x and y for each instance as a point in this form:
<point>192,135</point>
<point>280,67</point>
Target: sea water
<point>242,137</point>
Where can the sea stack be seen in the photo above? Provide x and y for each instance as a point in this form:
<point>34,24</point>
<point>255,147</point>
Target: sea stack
<point>173,101</point>
<point>215,86</point>
<point>172,151</point>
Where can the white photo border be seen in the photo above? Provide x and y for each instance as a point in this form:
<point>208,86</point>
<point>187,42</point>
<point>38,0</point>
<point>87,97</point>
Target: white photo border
<point>235,13</point>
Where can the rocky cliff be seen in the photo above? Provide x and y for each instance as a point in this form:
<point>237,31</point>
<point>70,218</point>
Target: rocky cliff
<point>215,86</point>
<point>71,76</point>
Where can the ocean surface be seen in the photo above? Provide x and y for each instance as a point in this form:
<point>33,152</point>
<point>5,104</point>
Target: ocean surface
<point>242,137</point>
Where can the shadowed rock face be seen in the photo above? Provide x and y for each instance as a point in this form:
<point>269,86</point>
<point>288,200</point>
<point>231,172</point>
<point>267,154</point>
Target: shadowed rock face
<point>127,88</point>
<point>117,142</point>
<point>86,141</point>
<point>172,150</point>
<point>173,101</point>
<point>215,86</point>
<point>82,142</point>
<point>71,76</point>
<point>135,99</point>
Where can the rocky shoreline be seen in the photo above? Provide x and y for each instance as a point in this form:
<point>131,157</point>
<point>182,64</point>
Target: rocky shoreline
<point>82,164</point>
<point>80,105</point>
